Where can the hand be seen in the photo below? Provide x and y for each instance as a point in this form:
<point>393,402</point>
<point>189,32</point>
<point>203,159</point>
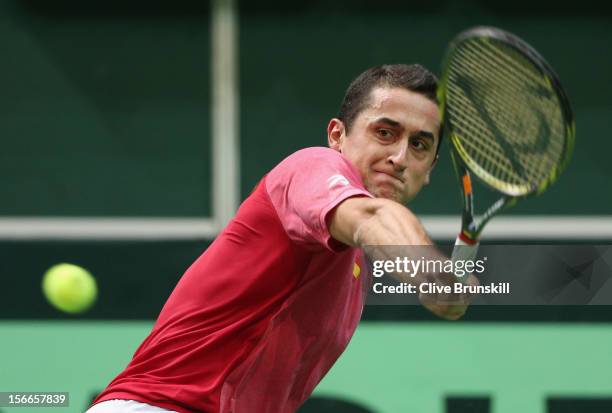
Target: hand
<point>449,306</point>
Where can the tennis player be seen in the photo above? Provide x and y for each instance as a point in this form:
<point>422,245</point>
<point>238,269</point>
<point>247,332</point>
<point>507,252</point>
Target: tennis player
<point>262,315</point>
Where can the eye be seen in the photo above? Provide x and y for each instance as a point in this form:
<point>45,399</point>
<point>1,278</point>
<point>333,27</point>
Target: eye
<point>419,144</point>
<point>385,133</point>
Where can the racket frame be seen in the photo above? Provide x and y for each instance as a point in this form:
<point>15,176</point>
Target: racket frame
<point>464,165</point>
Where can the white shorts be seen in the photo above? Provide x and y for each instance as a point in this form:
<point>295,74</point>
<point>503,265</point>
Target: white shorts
<point>126,406</point>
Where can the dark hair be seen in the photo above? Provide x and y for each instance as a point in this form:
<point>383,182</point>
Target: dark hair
<point>411,77</point>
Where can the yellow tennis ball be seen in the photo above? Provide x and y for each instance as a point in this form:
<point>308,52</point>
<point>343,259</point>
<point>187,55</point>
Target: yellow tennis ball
<point>70,288</point>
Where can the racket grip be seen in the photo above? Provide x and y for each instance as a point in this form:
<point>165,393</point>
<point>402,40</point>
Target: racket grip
<point>464,251</point>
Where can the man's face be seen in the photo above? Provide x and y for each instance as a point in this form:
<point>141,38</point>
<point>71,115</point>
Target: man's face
<point>392,142</point>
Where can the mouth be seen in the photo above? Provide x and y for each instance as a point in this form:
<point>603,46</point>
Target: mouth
<point>391,175</point>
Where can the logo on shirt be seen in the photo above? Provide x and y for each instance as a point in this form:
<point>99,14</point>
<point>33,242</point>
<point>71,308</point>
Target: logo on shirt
<point>357,268</point>
<point>336,180</point>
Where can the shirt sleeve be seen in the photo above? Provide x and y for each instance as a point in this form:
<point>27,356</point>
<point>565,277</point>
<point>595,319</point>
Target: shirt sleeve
<point>305,187</point>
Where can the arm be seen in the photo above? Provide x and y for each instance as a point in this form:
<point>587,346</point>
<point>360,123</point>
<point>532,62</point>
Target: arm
<point>376,221</point>
<point>362,221</point>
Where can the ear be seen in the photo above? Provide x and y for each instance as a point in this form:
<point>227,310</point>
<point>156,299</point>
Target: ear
<point>433,164</point>
<point>335,134</point>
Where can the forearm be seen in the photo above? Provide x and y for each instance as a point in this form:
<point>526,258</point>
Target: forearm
<point>393,232</point>
<point>387,230</point>
<point>391,224</point>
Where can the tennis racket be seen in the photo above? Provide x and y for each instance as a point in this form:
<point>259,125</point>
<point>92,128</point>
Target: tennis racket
<point>507,118</point>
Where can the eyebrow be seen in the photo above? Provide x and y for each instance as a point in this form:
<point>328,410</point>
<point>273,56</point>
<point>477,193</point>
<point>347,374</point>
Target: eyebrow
<point>389,122</point>
<point>422,134</point>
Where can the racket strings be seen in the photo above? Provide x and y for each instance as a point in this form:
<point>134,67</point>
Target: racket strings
<point>492,89</point>
<point>521,110</point>
<point>515,62</point>
<point>499,86</point>
<point>515,76</point>
<point>497,117</point>
<point>505,113</point>
<point>493,150</point>
<point>490,155</point>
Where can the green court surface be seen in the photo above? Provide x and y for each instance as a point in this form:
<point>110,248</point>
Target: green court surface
<point>388,367</point>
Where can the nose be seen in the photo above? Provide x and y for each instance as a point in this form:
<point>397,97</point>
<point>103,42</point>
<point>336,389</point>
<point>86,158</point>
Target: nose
<point>397,156</point>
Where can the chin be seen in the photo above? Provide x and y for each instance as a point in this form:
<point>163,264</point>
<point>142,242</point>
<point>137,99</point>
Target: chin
<point>386,194</point>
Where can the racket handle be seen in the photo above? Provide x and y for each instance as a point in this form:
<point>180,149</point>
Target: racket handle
<point>464,251</point>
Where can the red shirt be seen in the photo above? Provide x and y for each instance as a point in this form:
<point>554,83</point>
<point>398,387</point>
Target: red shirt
<point>258,319</point>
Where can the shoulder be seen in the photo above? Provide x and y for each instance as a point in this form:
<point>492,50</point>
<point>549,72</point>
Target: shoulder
<point>314,153</point>
<point>315,173</point>
<point>315,159</point>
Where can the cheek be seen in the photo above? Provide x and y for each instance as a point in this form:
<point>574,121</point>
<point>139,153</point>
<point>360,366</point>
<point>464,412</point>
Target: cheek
<point>417,174</point>
<point>362,153</point>
<point>418,168</point>
<point>360,156</point>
